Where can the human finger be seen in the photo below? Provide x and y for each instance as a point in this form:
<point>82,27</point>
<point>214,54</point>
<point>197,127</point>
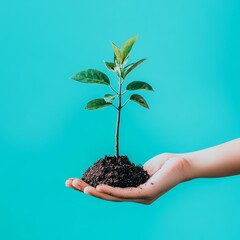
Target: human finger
<point>155,163</point>
<point>76,184</point>
<point>68,182</point>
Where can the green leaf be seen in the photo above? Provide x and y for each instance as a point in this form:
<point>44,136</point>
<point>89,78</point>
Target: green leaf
<point>109,98</point>
<point>127,46</point>
<point>92,76</point>
<point>131,66</point>
<point>125,60</point>
<point>117,54</point>
<point>139,99</point>
<point>110,66</point>
<point>138,85</point>
<point>97,104</point>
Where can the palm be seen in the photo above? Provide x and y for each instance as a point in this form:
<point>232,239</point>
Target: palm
<point>165,170</point>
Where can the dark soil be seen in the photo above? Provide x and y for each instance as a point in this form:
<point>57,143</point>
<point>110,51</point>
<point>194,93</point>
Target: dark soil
<point>115,172</point>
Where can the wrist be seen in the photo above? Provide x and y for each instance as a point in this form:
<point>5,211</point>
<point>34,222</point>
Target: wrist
<point>192,170</point>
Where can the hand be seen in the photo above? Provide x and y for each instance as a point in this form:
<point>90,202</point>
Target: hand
<point>165,170</point>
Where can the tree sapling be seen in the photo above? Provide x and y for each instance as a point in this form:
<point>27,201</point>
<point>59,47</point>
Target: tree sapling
<point>116,170</point>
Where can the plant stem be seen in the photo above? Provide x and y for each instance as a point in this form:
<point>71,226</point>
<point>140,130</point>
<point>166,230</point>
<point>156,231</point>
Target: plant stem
<point>113,89</point>
<point>124,92</point>
<point>125,103</point>
<point>118,116</point>
<point>114,106</point>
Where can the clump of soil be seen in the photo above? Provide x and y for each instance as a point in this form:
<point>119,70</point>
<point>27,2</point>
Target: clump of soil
<point>115,172</point>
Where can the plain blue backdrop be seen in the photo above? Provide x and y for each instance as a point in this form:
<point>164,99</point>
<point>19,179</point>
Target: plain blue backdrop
<point>46,135</point>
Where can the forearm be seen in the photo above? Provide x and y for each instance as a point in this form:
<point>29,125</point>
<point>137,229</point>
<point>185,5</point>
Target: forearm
<point>218,161</point>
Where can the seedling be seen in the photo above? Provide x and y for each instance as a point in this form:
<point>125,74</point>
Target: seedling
<point>119,67</point>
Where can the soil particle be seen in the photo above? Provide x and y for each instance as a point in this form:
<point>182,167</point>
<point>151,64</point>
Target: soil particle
<point>115,172</point>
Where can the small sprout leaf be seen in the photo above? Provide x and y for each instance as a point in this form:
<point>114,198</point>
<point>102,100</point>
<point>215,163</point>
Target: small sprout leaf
<point>110,66</point>
<point>139,99</point>
<point>92,76</point>
<point>131,66</point>
<point>109,98</point>
<point>126,60</point>
<point>138,85</point>
<point>97,104</point>
<point>127,46</point>
<point>117,54</point>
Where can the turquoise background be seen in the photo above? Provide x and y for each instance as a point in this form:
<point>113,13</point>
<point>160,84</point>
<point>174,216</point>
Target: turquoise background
<point>46,135</point>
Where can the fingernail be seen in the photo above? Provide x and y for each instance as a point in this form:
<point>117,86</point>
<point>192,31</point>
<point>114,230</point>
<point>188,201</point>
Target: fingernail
<point>86,190</point>
<point>76,184</point>
<point>68,183</point>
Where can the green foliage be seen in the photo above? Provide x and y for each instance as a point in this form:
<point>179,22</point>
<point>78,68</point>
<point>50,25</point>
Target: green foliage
<point>97,104</point>
<point>139,99</point>
<point>127,47</point>
<point>109,98</point>
<point>130,67</point>
<point>138,85</point>
<point>117,54</point>
<point>110,66</point>
<point>119,67</point>
<point>92,76</point>
<point>121,57</point>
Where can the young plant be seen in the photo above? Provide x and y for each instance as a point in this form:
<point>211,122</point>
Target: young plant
<point>122,70</point>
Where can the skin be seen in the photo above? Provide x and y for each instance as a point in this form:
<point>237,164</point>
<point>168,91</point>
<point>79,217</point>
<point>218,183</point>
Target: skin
<point>169,169</point>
